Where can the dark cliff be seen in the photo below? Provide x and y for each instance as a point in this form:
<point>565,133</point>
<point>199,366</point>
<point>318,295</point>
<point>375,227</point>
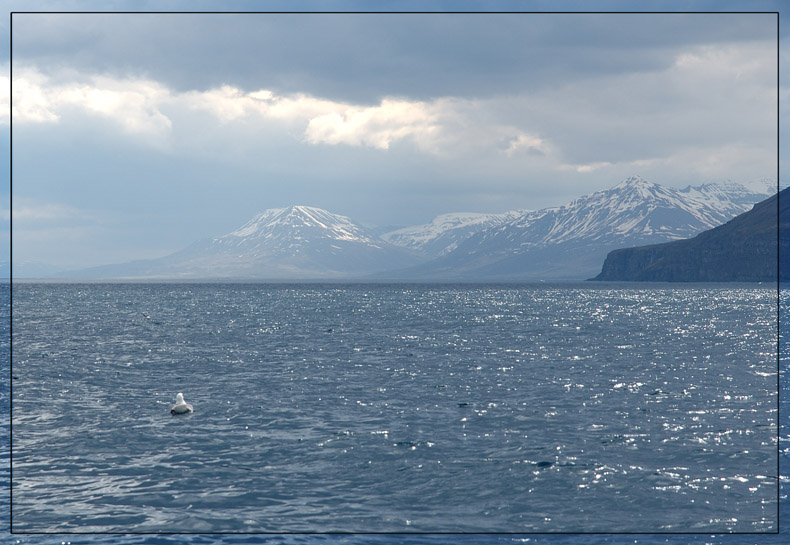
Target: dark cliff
<point>742,250</point>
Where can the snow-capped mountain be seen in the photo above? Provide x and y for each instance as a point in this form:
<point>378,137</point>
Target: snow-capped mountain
<point>444,232</point>
<point>571,241</point>
<point>635,208</point>
<point>298,242</point>
<point>296,229</point>
<point>307,242</point>
<point>567,242</point>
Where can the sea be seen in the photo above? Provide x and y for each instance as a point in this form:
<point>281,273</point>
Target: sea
<point>395,413</point>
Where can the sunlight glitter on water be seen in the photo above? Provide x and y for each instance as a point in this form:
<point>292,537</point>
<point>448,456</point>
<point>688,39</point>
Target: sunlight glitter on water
<point>455,408</point>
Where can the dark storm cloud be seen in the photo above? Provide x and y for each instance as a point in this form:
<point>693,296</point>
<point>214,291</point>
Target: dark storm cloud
<point>363,57</point>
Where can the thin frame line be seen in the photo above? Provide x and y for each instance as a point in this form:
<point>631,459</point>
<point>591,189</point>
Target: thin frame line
<point>11,14</point>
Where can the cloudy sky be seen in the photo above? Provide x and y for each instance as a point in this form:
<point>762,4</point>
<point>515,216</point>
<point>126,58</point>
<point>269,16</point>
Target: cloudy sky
<point>137,134</point>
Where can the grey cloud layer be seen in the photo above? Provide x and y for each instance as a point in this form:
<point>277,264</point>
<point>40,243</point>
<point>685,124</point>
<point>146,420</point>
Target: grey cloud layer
<point>366,57</point>
<point>706,98</point>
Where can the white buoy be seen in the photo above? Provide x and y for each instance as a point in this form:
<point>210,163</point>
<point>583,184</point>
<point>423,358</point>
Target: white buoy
<point>181,406</point>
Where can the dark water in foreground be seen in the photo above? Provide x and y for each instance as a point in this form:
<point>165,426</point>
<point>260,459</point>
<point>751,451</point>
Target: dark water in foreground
<point>395,409</point>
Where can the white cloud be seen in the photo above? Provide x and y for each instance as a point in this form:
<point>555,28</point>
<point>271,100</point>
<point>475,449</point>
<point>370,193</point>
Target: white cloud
<point>227,103</point>
<point>589,167</point>
<point>525,143</point>
<point>376,126</point>
<point>328,122</point>
<point>33,212</point>
<point>441,126</point>
<point>32,104</point>
<point>132,103</point>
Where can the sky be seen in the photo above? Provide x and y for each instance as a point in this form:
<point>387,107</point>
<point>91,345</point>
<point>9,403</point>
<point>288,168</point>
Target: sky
<point>136,134</point>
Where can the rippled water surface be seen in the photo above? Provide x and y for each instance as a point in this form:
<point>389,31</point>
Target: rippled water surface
<point>394,408</point>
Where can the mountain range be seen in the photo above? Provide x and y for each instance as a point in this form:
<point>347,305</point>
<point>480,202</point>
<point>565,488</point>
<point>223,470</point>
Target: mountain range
<point>566,242</point>
<point>571,242</point>
<point>293,243</point>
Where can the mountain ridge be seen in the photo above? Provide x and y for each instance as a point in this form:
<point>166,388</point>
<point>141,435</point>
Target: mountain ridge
<point>571,241</point>
<point>566,242</point>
